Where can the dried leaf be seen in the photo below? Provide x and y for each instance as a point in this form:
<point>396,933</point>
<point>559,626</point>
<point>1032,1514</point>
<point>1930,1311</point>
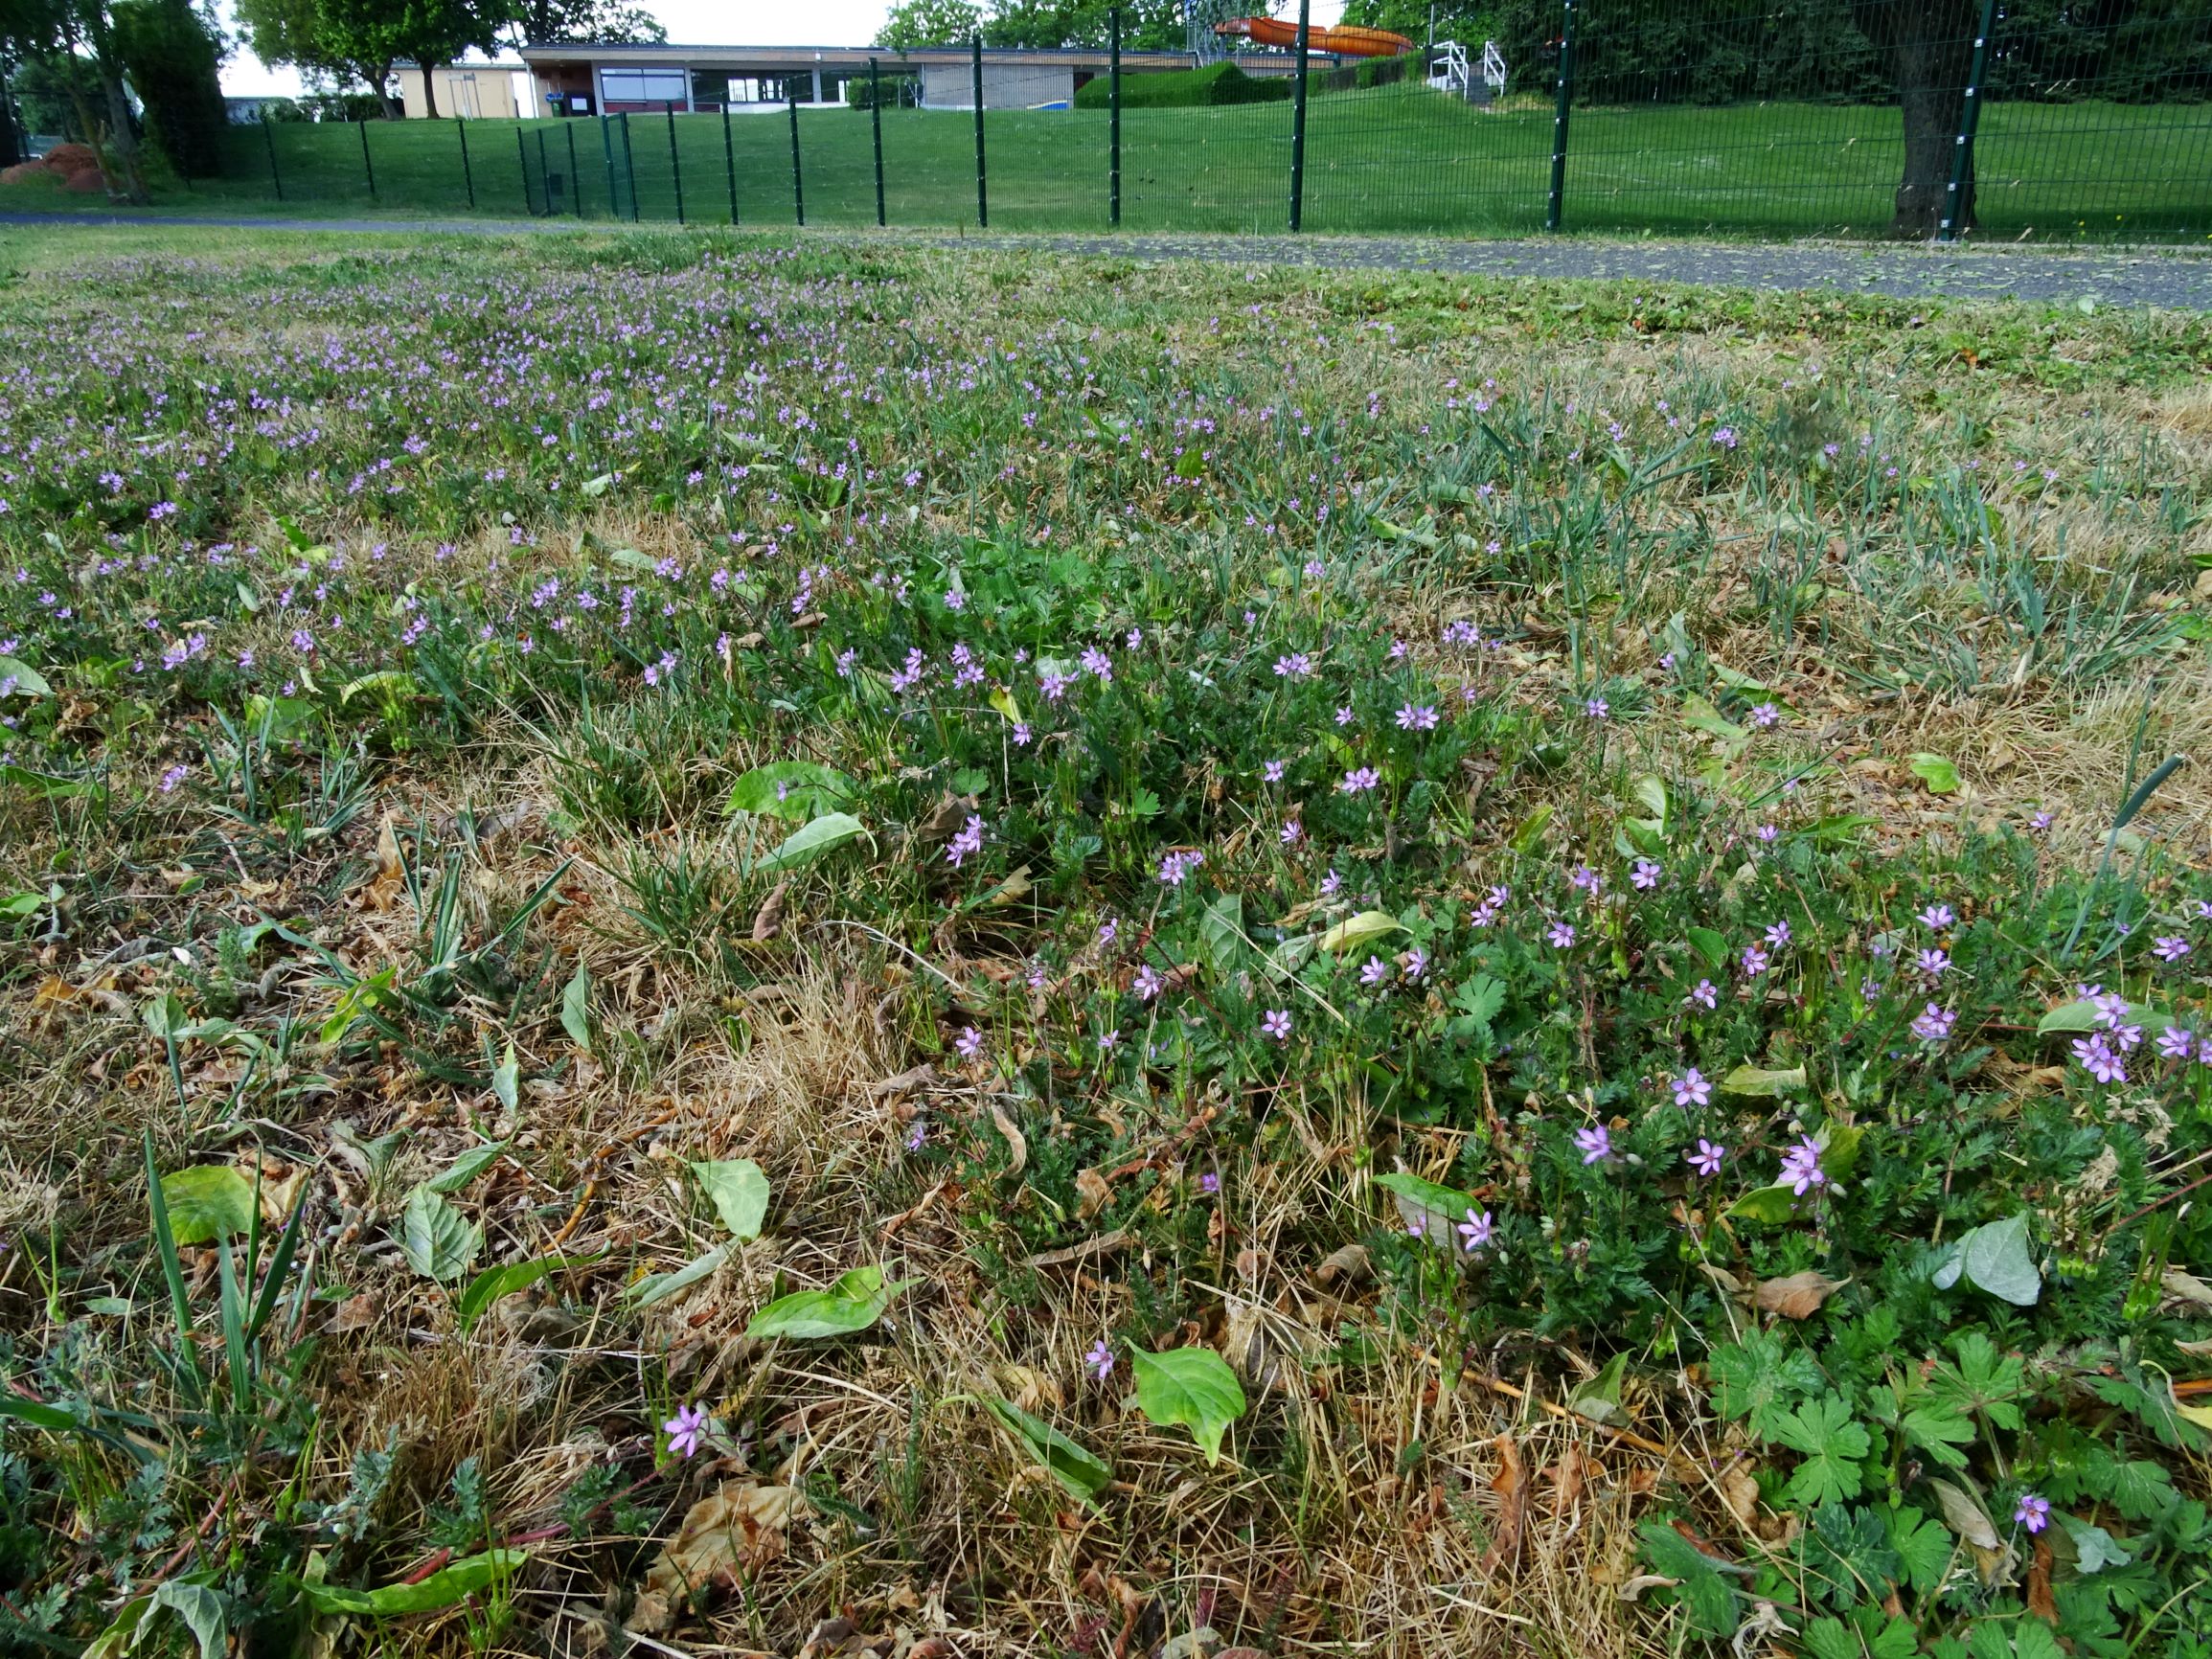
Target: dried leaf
<point>1511,1485</point>
<point>768,919</point>
<point>1092,1193</point>
<point>2186,1287</point>
<point>1014,1139</point>
<point>737,1531</point>
<point>1349,1263</point>
<point>1799,1296</point>
<point>2040,1600</point>
<point>1739,1492</point>
<point>1964,1515</point>
<point>355,1313</point>
<point>384,889</point>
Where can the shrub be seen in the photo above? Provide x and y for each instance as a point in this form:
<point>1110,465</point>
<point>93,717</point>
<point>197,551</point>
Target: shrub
<point>1184,89</point>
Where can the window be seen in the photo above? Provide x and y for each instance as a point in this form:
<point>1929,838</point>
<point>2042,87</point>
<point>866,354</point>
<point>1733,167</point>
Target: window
<point>622,89</point>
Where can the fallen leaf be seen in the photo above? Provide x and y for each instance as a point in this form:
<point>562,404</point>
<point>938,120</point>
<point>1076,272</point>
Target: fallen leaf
<point>1799,1296</point>
<point>1511,1485</point>
<point>355,1313</point>
<point>1014,1139</point>
<point>737,1531</point>
<point>1568,1476</point>
<point>904,1084</point>
<point>2039,1600</point>
<point>1348,1263</point>
<point>2187,1286</point>
<point>768,919</point>
<point>384,889</point>
<point>1092,1192</point>
<point>1739,1492</point>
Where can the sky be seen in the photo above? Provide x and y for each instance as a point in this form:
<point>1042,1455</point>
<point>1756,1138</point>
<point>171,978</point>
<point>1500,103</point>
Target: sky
<point>712,22</point>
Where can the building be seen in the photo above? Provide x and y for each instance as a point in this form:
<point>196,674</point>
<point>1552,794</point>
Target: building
<point>469,90</point>
<point>592,79</point>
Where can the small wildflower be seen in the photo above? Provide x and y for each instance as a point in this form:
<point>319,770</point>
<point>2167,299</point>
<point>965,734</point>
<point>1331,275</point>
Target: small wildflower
<point>1693,1088</point>
<point>1934,964</point>
<point>1276,1023</point>
<point>1766,714</point>
<point>1597,709</point>
<point>2032,1512</point>
<point>1291,831</point>
<point>2095,1055</point>
<point>1210,1183</point>
<point>1474,1231</point>
<point>1274,771</point>
<point>1373,971</point>
<point>1595,1145</point>
<point>1778,935</point>
<point>685,1429</point>
<point>1358,781</point>
<point>1703,994</point>
<point>2174,1043</point>
<point>1416,963</point>
<point>1801,1170</point>
<point>1646,874</point>
<point>1933,1026</point>
<point>1755,961</point>
<point>1148,983</point>
<point>2170,948</point>
<point>1100,1360</point>
<point>1707,1158</point>
<point>1938,915</point>
<point>969,841</point>
<point>969,1044</point>
<point>1560,935</point>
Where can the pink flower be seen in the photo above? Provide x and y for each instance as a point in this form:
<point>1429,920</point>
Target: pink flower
<point>1596,1145</point>
<point>1100,1360</point>
<point>1693,1089</point>
<point>1706,1159</point>
<point>2032,1513</point>
<point>1276,1023</point>
<point>685,1429</point>
<point>1801,1169</point>
<point>1474,1231</point>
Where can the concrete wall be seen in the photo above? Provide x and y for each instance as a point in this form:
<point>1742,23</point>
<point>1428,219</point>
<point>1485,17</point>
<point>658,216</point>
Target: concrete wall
<point>1005,87</point>
<point>463,89</point>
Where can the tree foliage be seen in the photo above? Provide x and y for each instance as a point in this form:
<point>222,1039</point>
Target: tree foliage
<point>360,40</point>
<point>609,22</point>
<point>171,54</point>
<point>1147,25</point>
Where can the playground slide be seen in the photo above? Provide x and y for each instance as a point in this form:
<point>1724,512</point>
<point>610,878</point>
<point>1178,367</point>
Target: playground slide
<point>1343,40</point>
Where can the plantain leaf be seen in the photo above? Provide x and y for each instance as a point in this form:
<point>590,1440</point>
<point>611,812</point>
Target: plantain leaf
<point>855,1303</point>
<point>443,1588</point>
<point>1191,1386</point>
<point>436,1241</point>
<point>207,1202</point>
<point>739,1191</point>
<point>795,789</point>
<point>824,834</point>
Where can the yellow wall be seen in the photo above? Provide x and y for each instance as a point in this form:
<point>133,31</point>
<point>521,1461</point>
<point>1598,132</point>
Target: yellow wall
<point>463,89</point>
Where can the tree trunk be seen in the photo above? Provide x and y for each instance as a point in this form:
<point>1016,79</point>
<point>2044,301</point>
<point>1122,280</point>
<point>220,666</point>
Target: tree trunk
<point>429,73</point>
<point>1931,78</point>
<point>378,75</point>
<point>125,141</point>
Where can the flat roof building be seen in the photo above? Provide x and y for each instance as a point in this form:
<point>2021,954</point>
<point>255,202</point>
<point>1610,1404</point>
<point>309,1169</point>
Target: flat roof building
<point>595,80</point>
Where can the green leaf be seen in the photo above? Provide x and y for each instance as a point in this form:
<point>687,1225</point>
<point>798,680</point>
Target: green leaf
<point>1939,1432</point>
<point>2094,1548</point>
<point>1940,775</point>
<point>659,1286</point>
<point>1705,1595</point>
<point>443,1588</point>
<point>855,1303</point>
<point>1222,930</point>
<point>1479,1000</point>
<point>575,1009</point>
<point>1832,1445</point>
<point>1081,1475</point>
<point>44,785</point>
<point>1750,1079</point>
<point>795,789</point>
<point>1600,1399</point>
<point>1922,1547</point>
<point>495,1284</point>
<point>34,1412</point>
<point>1760,1376</point>
<point>207,1202</point>
<point>2033,1639</point>
<point>1436,1210</point>
<point>1711,945</point>
<point>29,681</point>
<point>466,1167</point>
<point>436,1241</point>
<point>1773,1205</point>
<point>1356,931</point>
<point>507,1080</point>
<point>1996,1257</point>
<point>201,1610</point>
<point>824,834</point>
<point>2080,1016</point>
<point>1650,791</point>
<point>1191,1386</point>
<point>739,1191</point>
<point>1530,828</point>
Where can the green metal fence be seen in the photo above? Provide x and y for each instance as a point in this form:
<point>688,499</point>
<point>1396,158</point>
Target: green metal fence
<point>1997,118</point>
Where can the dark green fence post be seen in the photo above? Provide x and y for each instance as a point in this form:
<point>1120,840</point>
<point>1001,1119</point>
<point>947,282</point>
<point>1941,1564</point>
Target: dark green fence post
<point>522,161</point>
<point>545,176</point>
<point>1114,116</point>
<point>982,201</point>
<point>574,177</point>
<point>1958,195</point>
<point>1298,119</point>
<point>607,146</point>
<point>798,189</point>
<point>729,161</point>
<point>1559,190</point>
<point>675,170</point>
<point>276,180</point>
<point>367,169</point>
<point>468,175</point>
<point>875,125</point>
<point>629,166</point>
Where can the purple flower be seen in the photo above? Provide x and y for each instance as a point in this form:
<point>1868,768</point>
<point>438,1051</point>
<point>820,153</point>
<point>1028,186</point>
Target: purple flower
<point>1584,879</point>
<point>969,841</point>
<point>1934,964</point>
<point>969,1044</point>
<point>1596,709</point>
<point>1413,718</point>
<point>1100,1360</point>
<point>1297,665</point>
<point>1767,832</point>
<point>1703,994</point>
<point>1148,983</point>
<point>1595,1145</point>
<point>1375,971</point>
<point>1693,1088</point>
<point>1766,714</point>
<point>1358,781</point>
<point>1274,771</point>
<point>2032,1513</point>
<point>172,778</point>
<point>1778,935</point>
<point>1938,915</point>
<point>1330,883</point>
<point>2096,1057</point>
<point>1933,1026</point>
<point>1416,963</point>
<point>1707,1158</point>
<point>1754,961</point>
<point>2041,822</point>
<point>1344,715</point>
<point>1474,1231</point>
<point>1646,874</point>
<point>1290,833</point>
<point>1560,935</point>
<point>2170,948</point>
<point>955,601</point>
<point>1209,1182</point>
<point>1276,1023</point>
<point>1801,1169</point>
<point>685,1429</point>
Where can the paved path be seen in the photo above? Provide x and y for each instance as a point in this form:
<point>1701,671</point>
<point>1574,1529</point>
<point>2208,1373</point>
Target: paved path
<point>2180,280</point>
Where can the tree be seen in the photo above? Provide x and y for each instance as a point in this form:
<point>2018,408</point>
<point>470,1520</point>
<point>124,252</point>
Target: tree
<point>1929,48</point>
<point>916,23</point>
<point>360,40</point>
<point>171,54</point>
<point>1147,25</point>
<point>74,32</point>
<point>607,22</point>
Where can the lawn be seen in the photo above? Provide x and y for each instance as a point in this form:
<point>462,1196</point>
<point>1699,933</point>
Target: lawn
<point>723,944</point>
<point>1389,159</point>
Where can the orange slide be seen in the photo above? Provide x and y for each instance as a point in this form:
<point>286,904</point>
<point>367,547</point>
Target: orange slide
<point>1343,41</point>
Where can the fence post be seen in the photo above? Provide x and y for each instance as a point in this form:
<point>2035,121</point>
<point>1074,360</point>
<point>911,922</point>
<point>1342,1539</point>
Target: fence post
<point>468,175</point>
<point>1114,116</point>
<point>276,179</point>
<point>545,174</point>
<point>522,161</point>
<point>875,125</point>
<point>574,177</point>
<point>1298,119</point>
<point>629,166</point>
<point>607,147</point>
<point>729,159</point>
<point>1559,187</point>
<point>367,169</point>
<point>798,188</point>
<point>1958,195</point>
<point>675,170</point>
<point>975,79</point>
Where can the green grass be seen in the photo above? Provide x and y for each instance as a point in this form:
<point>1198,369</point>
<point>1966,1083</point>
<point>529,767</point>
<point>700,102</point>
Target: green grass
<point>1389,159</point>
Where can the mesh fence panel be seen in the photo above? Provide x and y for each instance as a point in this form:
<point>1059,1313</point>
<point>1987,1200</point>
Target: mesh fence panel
<point>2018,118</point>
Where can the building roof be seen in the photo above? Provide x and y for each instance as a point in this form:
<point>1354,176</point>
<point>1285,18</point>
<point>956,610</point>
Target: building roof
<point>797,60</point>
